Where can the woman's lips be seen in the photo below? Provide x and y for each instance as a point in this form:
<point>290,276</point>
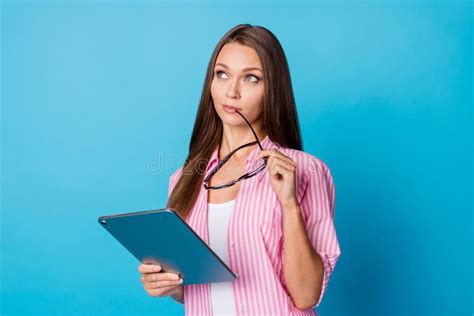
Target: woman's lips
<point>230,108</point>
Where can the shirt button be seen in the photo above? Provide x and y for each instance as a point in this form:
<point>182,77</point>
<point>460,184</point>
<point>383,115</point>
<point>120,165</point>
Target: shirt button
<point>232,243</point>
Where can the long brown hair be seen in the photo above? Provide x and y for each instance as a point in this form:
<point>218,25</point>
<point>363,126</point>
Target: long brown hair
<point>280,118</point>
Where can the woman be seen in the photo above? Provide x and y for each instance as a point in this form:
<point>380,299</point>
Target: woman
<point>274,226</point>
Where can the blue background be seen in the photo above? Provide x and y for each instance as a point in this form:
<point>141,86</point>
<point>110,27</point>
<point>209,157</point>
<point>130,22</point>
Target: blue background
<point>98,103</point>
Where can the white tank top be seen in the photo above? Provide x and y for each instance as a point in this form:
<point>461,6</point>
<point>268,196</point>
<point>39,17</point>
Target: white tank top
<point>222,295</point>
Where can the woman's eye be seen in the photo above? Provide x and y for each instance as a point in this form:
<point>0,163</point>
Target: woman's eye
<point>254,77</point>
<point>219,72</point>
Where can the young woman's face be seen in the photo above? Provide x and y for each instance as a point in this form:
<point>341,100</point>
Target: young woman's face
<point>238,82</point>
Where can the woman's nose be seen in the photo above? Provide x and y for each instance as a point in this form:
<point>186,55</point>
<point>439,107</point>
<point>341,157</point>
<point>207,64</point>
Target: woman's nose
<point>233,89</point>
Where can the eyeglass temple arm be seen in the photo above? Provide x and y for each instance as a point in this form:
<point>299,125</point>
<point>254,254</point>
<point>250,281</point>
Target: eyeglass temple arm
<point>258,142</point>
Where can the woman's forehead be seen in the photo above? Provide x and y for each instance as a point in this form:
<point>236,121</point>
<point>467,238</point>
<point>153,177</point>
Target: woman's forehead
<point>238,57</point>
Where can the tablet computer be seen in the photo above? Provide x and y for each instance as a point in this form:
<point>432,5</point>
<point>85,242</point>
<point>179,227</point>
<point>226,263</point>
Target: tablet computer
<point>162,237</point>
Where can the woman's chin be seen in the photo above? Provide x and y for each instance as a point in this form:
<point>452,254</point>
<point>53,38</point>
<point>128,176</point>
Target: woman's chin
<point>233,120</point>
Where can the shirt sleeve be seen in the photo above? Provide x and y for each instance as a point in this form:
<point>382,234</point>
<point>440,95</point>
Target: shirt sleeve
<point>317,207</point>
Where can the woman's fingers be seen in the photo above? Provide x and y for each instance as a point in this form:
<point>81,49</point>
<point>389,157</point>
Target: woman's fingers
<point>274,154</point>
<point>149,268</point>
<point>162,284</point>
<point>279,169</point>
<point>164,291</point>
<point>158,283</point>
<point>160,276</point>
<point>277,161</point>
<point>284,162</point>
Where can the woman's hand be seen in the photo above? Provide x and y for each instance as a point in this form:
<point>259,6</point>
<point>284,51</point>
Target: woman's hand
<point>158,283</point>
<point>282,171</point>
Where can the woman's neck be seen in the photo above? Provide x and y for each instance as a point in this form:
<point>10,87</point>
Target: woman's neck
<point>235,138</point>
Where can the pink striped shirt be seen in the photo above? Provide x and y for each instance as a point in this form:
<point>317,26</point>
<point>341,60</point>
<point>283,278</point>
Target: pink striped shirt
<point>255,235</point>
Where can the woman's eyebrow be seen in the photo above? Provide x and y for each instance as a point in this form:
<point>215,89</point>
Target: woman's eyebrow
<point>243,70</point>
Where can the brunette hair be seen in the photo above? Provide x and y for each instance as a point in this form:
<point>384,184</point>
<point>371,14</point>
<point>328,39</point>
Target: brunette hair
<point>280,118</point>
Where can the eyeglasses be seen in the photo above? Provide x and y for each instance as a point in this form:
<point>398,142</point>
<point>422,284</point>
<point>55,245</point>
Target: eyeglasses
<point>247,175</point>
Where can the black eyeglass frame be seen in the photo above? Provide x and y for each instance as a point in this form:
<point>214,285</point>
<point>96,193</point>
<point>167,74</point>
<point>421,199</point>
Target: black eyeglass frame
<point>227,157</point>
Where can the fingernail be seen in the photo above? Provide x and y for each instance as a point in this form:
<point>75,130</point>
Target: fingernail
<point>175,277</point>
<point>157,268</point>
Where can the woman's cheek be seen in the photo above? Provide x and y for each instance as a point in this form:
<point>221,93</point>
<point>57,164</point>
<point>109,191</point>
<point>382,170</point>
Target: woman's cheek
<point>258,105</point>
